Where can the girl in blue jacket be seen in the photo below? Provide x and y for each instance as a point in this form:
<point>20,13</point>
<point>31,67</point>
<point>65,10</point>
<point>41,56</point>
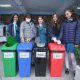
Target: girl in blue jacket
<point>69,35</point>
<point>41,30</point>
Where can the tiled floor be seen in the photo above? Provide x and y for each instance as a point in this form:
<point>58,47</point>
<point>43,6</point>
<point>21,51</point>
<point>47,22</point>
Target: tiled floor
<point>64,76</point>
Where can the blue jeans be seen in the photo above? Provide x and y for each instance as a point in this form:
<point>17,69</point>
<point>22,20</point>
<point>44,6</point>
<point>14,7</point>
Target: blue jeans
<point>70,47</point>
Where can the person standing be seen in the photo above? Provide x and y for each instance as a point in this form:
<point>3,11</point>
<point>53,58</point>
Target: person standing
<point>27,30</point>
<point>69,35</point>
<point>13,28</point>
<point>28,33</point>
<point>41,27</point>
<point>54,27</point>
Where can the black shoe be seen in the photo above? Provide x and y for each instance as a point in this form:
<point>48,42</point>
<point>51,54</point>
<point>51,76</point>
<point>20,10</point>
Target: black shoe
<point>33,64</point>
<point>74,73</point>
<point>67,71</point>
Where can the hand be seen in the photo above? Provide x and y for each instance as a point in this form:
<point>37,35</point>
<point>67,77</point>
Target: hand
<point>54,39</point>
<point>28,39</point>
<point>76,45</point>
<point>22,39</point>
<point>58,42</point>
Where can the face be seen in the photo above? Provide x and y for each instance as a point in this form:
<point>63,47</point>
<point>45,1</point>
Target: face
<point>40,20</point>
<point>55,18</point>
<point>15,18</point>
<point>28,19</point>
<point>68,14</point>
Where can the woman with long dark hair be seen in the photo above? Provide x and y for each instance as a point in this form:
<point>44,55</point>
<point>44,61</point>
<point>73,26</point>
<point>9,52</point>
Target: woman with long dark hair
<point>13,28</point>
<point>54,27</point>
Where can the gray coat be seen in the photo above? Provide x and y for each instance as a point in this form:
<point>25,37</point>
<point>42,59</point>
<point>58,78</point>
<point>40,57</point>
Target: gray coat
<point>27,30</point>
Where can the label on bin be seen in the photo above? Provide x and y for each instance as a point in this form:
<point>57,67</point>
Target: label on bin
<point>57,55</point>
<point>24,54</point>
<point>8,55</point>
<point>40,54</point>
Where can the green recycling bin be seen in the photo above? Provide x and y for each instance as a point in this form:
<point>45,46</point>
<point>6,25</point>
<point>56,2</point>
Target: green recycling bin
<point>77,54</point>
<point>9,58</point>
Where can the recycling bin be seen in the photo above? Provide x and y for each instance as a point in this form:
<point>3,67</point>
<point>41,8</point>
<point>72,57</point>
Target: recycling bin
<point>77,56</point>
<point>56,56</point>
<point>40,60</point>
<point>24,58</point>
<point>9,59</point>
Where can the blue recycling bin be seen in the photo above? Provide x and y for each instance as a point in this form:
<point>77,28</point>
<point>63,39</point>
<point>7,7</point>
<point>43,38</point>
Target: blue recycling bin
<point>24,58</point>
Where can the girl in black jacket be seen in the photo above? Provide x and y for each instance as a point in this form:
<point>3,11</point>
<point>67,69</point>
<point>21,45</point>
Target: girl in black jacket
<point>54,27</point>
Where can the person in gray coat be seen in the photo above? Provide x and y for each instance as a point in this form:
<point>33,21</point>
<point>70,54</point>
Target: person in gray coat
<point>27,30</point>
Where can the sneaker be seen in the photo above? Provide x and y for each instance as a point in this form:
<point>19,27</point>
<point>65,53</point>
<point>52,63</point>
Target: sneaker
<point>67,71</point>
<point>33,64</point>
<point>74,73</point>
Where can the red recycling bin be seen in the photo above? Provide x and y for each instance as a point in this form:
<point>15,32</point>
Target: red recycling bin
<point>56,56</point>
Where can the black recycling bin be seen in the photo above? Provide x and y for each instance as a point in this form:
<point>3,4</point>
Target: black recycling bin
<point>40,61</point>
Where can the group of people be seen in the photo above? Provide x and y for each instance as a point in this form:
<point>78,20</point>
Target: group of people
<point>68,32</point>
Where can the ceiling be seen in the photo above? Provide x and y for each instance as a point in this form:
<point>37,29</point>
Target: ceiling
<point>39,6</point>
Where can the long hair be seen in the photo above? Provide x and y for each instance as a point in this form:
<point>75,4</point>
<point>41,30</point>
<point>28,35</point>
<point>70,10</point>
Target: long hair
<point>57,17</point>
<point>43,21</point>
<point>73,16</point>
<point>18,22</point>
<point>58,20</point>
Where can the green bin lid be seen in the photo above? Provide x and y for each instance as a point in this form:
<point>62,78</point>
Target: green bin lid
<point>11,41</point>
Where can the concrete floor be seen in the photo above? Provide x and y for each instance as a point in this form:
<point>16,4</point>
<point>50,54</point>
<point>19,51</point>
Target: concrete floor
<point>64,76</point>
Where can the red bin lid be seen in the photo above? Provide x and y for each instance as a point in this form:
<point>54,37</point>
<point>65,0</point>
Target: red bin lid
<point>56,47</point>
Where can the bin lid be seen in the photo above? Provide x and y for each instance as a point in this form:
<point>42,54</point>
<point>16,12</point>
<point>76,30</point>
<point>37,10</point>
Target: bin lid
<point>11,41</point>
<point>25,46</point>
<point>56,47</point>
<point>9,48</point>
<point>40,44</point>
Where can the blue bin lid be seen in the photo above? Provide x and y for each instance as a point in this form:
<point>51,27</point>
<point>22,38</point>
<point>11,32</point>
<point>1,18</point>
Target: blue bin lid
<point>25,46</point>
